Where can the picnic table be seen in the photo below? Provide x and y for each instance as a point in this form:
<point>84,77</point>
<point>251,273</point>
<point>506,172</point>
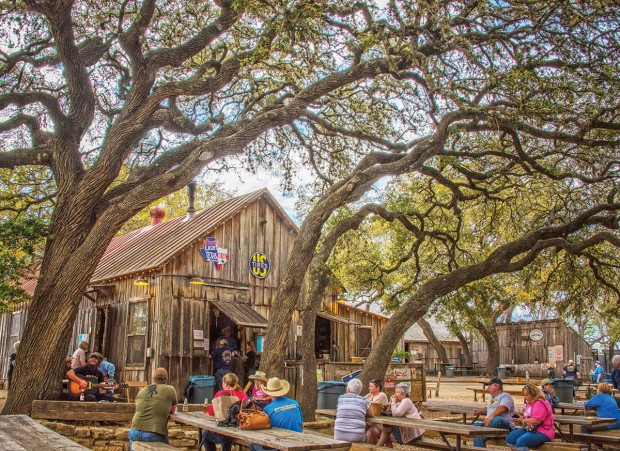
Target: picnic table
<point>577,408</point>
<point>277,438</point>
<point>22,433</point>
<point>572,420</point>
<point>444,429</point>
<point>455,407</point>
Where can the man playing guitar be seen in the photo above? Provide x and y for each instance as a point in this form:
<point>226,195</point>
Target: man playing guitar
<point>84,378</point>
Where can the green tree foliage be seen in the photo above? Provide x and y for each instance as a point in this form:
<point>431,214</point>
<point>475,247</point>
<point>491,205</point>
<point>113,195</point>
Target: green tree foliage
<point>21,242</point>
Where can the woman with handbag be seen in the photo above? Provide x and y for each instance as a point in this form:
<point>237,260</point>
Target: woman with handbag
<point>230,394</point>
<point>537,421</point>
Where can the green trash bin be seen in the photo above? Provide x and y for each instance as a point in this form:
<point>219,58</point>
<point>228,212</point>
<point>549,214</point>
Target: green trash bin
<point>201,388</point>
<point>329,392</point>
<point>449,370</point>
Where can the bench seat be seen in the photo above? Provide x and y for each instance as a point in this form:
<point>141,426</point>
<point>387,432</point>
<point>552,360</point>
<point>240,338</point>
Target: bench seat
<point>611,437</point>
<point>82,411</point>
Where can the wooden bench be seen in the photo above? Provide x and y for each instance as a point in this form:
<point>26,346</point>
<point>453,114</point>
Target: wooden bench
<point>130,389</point>
<point>430,386</point>
<point>484,392</point>
<point>151,446</point>
<point>83,411</point>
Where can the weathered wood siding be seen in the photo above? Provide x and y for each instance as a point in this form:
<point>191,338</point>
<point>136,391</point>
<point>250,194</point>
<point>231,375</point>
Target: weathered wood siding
<point>9,322</point>
<point>427,354</point>
<point>517,347</point>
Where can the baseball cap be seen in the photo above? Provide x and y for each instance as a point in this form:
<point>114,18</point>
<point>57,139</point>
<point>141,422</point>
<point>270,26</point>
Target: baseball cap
<point>496,380</point>
<point>546,381</point>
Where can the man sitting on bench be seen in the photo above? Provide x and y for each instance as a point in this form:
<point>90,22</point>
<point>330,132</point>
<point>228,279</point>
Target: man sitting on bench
<point>87,382</point>
<point>499,411</point>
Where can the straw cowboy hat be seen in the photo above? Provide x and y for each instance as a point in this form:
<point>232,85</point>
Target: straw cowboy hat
<point>276,387</point>
<point>259,375</point>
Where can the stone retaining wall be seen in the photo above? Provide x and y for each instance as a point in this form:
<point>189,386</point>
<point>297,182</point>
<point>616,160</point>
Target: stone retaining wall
<point>103,437</point>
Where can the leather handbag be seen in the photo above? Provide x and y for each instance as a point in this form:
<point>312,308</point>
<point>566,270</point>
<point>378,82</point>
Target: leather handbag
<point>251,418</point>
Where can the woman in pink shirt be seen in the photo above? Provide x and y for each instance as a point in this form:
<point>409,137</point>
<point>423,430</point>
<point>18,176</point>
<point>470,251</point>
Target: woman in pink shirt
<point>537,421</point>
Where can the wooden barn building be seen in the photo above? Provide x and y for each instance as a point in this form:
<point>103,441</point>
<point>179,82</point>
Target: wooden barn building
<point>534,346</point>
<point>161,295</point>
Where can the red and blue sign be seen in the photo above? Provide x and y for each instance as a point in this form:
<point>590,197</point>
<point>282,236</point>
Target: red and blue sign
<point>212,252</point>
<point>259,265</point>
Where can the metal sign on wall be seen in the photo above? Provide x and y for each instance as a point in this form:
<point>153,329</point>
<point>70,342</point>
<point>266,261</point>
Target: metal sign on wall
<point>212,252</point>
<point>259,265</point>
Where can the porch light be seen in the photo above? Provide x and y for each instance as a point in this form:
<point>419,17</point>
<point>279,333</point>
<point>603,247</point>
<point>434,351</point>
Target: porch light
<point>141,282</point>
<point>195,280</point>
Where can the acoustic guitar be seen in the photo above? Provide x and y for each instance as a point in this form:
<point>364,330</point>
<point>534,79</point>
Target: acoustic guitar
<point>92,387</point>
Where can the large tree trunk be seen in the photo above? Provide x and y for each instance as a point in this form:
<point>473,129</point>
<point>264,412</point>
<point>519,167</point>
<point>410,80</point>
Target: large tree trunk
<point>469,360</point>
<point>492,340</point>
<point>307,396</point>
<point>40,364</point>
<point>73,250</point>
<point>435,343</point>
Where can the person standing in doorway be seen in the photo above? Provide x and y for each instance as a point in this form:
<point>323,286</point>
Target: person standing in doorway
<point>222,361</point>
<point>232,343</point>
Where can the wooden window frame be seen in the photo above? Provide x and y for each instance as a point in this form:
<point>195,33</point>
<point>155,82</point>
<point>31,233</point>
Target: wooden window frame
<point>133,302</point>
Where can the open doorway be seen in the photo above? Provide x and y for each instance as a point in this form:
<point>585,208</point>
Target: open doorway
<point>322,338</point>
<point>101,330</point>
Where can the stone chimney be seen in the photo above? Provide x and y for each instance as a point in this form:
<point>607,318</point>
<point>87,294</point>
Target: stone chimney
<point>191,195</point>
<point>157,215</point>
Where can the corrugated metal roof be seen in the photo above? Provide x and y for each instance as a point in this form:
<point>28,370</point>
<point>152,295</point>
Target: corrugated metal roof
<point>334,317</point>
<point>28,282</point>
<point>414,333</point>
<point>152,246</point>
<point>242,314</point>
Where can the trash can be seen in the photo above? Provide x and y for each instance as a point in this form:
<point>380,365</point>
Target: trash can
<point>501,372</point>
<point>564,390</point>
<point>328,393</point>
<point>449,370</point>
<point>200,387</point>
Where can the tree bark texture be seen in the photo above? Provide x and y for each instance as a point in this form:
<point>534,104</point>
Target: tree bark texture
<point>489,334</point>
<point>469,361</point>
<point>435,343</point>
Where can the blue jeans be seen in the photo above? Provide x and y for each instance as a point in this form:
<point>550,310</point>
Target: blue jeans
<point>524,440</point>
<point>143,436</point>
<point>496,422</point>
<point>211,438</point>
